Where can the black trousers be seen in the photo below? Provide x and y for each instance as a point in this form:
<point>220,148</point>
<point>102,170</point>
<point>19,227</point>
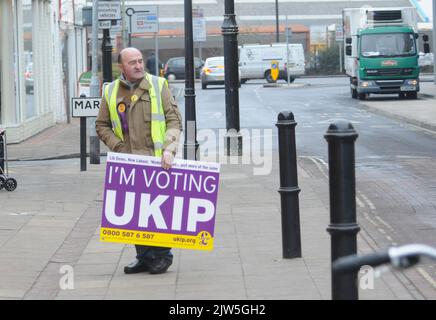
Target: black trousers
<point>150,253</point>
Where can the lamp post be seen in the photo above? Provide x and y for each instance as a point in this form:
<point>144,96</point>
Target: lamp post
<point>434,39</point>
<point>277,21</point>
<point>94,141</point>
<point>233,139</point>
<point>190,147</point>
<point>106,49</point>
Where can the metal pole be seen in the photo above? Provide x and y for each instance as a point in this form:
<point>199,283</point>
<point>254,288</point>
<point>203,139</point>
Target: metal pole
<point>200,54</point>
<point>340,57</point>
<point>6,164</point>
<point>156,48</point>
<point>124,32</point>
<point>277,21</point>
<point>233,138</point>
<point>156,54</point>
<point>343,228</point>
<point>129,12</point>
<point>434,40</point>
<point>94,141</point>
<point>2,151</point>
<point>288,76</point>
<point>67,75</point>
<point>289,190</point>
<point>190,148</point>
<point>82,143</point>
<point>106,49</point>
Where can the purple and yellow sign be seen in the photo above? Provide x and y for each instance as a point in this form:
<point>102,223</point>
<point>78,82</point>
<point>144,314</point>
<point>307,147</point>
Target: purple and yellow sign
<point>147,205</point>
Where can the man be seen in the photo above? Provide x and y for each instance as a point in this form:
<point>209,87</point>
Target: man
<point>139,115</point>
<point>151,64</point>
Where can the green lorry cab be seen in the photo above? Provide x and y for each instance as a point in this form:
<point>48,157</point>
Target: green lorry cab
<point>381,52</point>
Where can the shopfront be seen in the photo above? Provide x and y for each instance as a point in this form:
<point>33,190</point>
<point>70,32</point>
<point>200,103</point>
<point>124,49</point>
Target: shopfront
<point>30,74</point>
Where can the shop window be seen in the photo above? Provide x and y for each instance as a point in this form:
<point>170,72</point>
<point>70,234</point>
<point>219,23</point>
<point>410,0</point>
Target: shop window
<point>29,74</point>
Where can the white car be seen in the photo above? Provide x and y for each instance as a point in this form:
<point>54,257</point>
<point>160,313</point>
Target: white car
<point>213,72</point>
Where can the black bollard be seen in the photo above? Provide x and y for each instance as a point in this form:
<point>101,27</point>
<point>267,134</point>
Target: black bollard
<point>289,189</point>
<point>343,228</point>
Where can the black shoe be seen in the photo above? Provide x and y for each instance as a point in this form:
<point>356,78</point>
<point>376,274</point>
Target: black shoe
<point>160,265</point>
<point>136,267</point>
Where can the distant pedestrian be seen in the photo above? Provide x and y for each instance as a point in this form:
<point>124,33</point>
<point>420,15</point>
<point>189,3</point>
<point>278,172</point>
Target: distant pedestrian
<point>131,120</point>
<point>151,64</point>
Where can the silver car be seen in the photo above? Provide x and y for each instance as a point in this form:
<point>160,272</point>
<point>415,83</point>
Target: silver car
<point>212,72</point>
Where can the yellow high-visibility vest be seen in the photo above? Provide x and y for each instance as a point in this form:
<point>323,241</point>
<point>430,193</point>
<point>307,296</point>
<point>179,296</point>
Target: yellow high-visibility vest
<point>158,124</point>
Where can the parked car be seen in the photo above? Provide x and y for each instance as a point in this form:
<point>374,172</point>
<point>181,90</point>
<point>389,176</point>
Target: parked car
<point>213,72</point>
<point>175,68</point>
<point>28,77</point>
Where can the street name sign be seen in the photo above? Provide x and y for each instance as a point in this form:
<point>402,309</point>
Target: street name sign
<point>85,107</point>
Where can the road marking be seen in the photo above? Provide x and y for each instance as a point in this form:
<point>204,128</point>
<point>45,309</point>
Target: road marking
<point>382,126</point>
<point>359,202</point>
<point>368,218</point>
<point>263,103</point>
<point>384,223</point>
<point>417,128</point>
<point>427,277</point>
<point>365,198</point>
<point>318,164</point>
<point>377,217</point>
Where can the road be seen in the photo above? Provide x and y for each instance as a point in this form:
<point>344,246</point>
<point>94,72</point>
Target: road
<point>395,161</point>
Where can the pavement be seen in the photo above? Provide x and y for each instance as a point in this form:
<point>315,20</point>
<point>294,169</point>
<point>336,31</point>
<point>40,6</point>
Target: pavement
<point>49,228</point>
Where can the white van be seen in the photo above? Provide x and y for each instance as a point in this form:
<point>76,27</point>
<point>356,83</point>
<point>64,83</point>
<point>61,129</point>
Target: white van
<point>255,61</point>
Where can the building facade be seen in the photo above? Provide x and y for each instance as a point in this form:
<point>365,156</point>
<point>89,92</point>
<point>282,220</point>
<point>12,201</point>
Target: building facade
<point>37,47</point>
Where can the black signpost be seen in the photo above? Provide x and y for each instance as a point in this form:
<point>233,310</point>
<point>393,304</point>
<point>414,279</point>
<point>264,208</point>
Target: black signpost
<point>82,108</point>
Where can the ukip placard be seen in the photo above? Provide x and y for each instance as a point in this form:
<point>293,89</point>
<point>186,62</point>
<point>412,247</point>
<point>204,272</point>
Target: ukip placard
<point>148,205</point>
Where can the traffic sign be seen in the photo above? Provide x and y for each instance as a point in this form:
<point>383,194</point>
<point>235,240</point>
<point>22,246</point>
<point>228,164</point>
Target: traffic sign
<point>85,107</point>
<point>143,19</point>
<point>104,24</point>
<point>275,70</point>
<point>199,25</point>
<point>109,10</point>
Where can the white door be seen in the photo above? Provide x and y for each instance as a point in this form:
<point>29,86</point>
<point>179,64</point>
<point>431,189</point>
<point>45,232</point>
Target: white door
<point>296,61</point>
<point>251,64</point>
